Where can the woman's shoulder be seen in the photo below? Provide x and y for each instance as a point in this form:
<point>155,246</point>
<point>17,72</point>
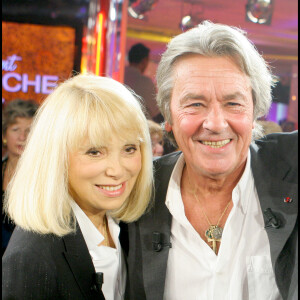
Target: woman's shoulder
<point>32,244</point>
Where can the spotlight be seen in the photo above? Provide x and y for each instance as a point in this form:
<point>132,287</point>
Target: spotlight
<point>259,11</point>
<point>187,22</point>
<point>137,8</point>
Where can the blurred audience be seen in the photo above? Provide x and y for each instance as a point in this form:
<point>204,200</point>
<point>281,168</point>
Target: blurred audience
<point>16,121</point>
<point>287,126</point>
<point>138,58</point>
<point>269,127</point>
<point>156,134</point>
<point>169,146</point>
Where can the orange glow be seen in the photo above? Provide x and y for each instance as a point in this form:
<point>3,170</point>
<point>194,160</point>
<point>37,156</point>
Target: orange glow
<point>43,52</point>
<point>99,63</point>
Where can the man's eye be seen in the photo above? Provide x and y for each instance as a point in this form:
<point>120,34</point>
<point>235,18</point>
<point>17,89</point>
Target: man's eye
<point>233,103</point>
<point>196,104</point>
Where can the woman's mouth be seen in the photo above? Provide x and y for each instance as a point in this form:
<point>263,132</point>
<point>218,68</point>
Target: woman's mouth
<point>112,190</point>
<point>110,187</point>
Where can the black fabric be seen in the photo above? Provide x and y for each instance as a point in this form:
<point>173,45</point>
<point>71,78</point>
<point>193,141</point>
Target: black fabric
<point>7,225</point>
<point>41,267</point>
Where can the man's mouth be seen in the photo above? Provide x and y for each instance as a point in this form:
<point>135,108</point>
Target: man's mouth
<point>216,144</point>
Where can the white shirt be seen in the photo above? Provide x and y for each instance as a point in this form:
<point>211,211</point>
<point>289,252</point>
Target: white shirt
<point>107,260</point>
<point>242,270</point>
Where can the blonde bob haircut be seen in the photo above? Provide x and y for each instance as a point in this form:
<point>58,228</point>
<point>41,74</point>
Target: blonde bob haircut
<point>37,199</point>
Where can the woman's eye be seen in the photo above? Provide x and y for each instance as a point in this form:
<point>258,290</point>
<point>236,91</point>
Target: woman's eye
<point>93,152</point>
<point>131,149</point>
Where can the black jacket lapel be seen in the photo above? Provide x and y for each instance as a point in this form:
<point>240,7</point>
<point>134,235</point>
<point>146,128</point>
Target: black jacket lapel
<point>272,180</point>
<point>155,229</point>
<point>81,265</point>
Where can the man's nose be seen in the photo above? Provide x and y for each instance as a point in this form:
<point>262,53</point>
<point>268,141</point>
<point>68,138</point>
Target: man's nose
<point>215,120</point>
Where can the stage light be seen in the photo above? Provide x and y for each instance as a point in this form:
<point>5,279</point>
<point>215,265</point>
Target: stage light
<point>187,22</point>
<point>259,11</point>
<point>138,8</point>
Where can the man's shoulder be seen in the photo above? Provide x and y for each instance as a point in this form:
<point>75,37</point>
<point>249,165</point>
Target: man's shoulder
<point>166,160</point>
<point>276,155</point>
<point>283,144</point>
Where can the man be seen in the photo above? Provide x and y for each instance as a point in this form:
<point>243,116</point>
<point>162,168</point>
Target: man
<point>138,57</point>
<point>224,221</point>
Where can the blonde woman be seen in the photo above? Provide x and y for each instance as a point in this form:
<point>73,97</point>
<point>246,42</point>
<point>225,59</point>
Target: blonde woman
<point>87,166</point>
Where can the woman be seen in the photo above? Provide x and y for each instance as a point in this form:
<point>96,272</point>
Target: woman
<point>16,121</point>
<point>87,165</point>
<point>156,134</point>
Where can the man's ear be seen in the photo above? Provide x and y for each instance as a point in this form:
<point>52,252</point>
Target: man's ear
<point>168,126</point>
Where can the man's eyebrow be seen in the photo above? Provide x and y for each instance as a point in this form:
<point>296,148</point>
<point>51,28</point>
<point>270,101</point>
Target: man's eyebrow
<point>237,95</point>
<point>191,96</point>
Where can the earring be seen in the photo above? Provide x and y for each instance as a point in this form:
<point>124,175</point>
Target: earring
<point>4,142</point>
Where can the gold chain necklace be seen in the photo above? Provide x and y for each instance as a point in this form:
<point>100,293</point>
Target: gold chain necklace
<point>214,232</point>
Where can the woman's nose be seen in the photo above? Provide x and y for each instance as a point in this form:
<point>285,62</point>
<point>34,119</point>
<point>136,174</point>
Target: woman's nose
<point>114,168</point>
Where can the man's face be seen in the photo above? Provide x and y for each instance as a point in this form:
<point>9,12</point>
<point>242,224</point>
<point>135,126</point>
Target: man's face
<point>212,114</point>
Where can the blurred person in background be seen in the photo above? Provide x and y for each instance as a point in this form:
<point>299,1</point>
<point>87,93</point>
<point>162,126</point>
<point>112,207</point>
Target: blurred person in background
<point>86,167</point>
<point>224,224</point>
<point>287,126</point>
<point>142,85</point>
<point>16,121</point>
<point>156,134</point>
<point>269,126</point>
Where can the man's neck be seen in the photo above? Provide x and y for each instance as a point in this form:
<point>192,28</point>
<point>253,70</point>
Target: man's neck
<point>211,185</point>
<point>137,66</point>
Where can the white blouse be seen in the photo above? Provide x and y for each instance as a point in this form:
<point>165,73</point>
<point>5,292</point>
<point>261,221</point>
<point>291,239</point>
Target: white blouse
<point>109,261</point>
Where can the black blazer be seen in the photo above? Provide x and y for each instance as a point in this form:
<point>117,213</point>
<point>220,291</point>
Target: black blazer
<point>274,163</point>
<point>41,267</point>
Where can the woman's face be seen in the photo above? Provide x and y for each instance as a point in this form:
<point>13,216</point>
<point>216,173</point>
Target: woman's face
<point>16,135</point>
<point>102,178</point>
<point>157,144</point>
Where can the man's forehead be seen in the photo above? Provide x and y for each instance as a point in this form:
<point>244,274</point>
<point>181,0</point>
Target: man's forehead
<point>223,79</point>
<point>207,65</point>
<point>209,71</point>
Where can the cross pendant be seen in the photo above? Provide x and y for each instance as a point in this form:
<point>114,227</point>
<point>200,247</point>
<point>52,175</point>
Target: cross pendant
<point>214,243</point>
<point>214,235</point>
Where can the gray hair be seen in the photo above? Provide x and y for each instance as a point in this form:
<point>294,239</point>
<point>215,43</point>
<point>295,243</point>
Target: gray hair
<point>211,40</point>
